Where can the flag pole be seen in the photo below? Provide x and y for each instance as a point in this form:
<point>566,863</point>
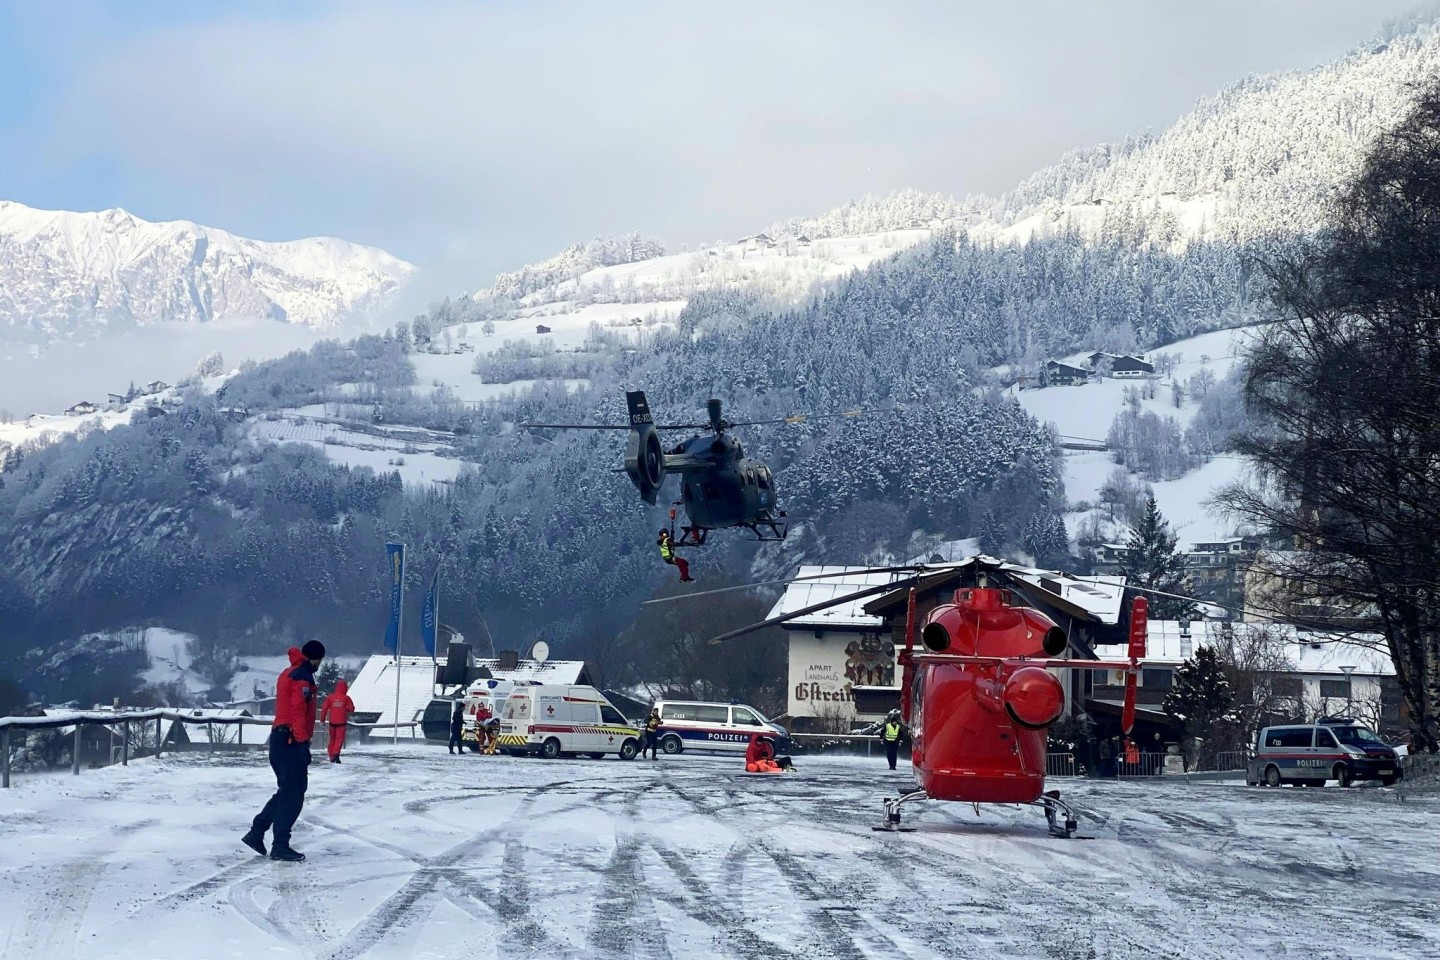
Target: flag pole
<point>399,634</point>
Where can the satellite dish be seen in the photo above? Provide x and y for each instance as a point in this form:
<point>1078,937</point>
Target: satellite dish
<point>540,651</point>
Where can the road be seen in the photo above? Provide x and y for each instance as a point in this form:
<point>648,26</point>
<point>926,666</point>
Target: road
<point>414,853</point>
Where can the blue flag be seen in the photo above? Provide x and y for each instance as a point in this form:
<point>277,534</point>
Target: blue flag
<point>429,614</point>
<point>395,555</point>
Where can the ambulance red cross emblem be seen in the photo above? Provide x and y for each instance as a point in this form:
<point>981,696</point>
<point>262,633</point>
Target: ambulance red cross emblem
<point>550,710</point>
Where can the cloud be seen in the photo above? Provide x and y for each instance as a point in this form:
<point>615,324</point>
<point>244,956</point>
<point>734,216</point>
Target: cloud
<point>472,137</point>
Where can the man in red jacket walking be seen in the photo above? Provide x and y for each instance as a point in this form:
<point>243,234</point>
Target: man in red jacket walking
<point>336,710</point>
<point>289,752</point>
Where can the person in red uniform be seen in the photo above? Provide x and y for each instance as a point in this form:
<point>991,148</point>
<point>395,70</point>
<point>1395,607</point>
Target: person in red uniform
<point>289,752</point>
<point>760,756</point>
<point>336,710</point>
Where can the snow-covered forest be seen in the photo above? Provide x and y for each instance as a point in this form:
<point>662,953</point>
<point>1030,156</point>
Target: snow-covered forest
<point>193,520</point>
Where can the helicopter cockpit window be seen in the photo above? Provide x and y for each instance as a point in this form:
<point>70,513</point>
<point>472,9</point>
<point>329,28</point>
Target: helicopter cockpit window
<point>763,478</point>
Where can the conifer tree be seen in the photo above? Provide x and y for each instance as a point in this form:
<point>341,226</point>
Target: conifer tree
<point>1156,564</point>
<point>1200,694</point>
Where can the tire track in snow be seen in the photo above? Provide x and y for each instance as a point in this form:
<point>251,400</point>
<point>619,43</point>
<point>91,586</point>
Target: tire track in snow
<point>510,900</point>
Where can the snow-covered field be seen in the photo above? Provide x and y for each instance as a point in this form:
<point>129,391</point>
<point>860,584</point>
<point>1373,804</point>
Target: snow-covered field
<point>1086,411</point>
<point>418,460</point>
<point>415,853</point>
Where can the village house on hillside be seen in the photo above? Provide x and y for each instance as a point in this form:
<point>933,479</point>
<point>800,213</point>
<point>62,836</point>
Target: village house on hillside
<point>1120,365</point>
<point>1058,374</point>
<point>82,409</point>
<point>155,386</point>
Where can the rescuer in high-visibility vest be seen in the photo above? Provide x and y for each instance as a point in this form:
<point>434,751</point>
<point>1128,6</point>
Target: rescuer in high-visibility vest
<point>667,553</point>
<point>891,730</point>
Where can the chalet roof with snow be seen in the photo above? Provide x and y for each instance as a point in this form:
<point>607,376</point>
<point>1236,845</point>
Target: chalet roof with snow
<point>1128,364</point>
<point>849,615</point>
<point>1308,652</point>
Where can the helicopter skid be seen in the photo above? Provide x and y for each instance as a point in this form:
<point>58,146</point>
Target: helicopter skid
<point>768,530</point>
<point>892,812</point>
<point>1059,815</point>
<point>692,536</point>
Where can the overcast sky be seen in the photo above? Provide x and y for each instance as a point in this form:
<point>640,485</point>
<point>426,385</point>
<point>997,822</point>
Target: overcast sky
<point>470,137</point>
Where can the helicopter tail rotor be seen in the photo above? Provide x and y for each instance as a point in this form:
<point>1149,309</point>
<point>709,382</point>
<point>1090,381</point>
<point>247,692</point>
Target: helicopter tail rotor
<point>644,460</point>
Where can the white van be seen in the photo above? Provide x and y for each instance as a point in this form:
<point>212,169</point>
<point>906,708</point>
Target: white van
<point>483,699</point>
<point>553,720</point>
<point>692,725</point>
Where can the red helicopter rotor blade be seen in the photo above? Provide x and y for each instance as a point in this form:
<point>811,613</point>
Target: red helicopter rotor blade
<point>909,568</point>
<point>817,607</point>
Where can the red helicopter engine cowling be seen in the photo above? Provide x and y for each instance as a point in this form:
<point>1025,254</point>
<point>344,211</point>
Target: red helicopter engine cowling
<point>1033,698</point>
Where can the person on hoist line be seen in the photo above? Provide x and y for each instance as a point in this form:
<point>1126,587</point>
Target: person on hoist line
<point>667,553</point>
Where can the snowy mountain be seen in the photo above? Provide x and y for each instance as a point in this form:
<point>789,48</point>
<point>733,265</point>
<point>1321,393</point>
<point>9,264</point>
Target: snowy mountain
<point>1260,159</point>
<point>1263,157</point>
<point>74,275</point>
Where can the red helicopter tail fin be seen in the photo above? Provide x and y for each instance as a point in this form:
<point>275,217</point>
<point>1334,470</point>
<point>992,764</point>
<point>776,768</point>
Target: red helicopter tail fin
<point>1139,623</point>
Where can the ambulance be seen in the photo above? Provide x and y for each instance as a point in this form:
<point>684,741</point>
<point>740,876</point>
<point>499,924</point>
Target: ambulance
<point>484,699</point>
<point>556,720</point>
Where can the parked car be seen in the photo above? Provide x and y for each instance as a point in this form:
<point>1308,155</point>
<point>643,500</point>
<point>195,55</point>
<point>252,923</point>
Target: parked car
<point>1309,755</point>
<point>726,727</point>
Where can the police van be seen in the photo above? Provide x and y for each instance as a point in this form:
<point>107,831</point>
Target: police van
<point>1333,748</point>
<point>556,720</point>
<point>727,727</point>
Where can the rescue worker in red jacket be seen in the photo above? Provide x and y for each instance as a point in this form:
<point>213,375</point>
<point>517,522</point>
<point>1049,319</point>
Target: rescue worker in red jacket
<point>336,710</point>
<point>289,752</point>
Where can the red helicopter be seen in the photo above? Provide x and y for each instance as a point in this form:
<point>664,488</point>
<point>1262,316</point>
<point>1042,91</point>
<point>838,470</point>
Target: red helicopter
<point>979,696</point>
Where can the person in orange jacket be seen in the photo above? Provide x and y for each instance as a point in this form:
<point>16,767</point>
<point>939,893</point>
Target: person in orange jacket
<point>760,756</point>
<point>336,710</point>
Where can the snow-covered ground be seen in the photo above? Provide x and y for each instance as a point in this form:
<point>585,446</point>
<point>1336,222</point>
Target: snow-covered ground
<point>415,853</point>
<point>454,370</point>
<point>420,460</point>
<point>1085,412</point>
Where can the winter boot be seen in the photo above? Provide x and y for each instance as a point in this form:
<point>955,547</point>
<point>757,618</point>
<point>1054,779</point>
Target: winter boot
<point>255,841</point>
<point>283,851</point>
<point>334,759</point>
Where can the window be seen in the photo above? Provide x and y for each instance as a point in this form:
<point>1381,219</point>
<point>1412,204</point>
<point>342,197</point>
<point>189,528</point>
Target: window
<point>1334,688</point>
<point>678,711</point>
<point>1323,739</point>
<point>1288,737</point>
<point>1357,736</point>
<point>1292,687</point>
<point>609,714</point>
<point>1153,679</point>
<point>708,714</point>
<point>741,715</point>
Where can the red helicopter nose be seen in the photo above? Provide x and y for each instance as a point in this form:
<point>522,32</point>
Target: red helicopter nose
<point>1033,697</point>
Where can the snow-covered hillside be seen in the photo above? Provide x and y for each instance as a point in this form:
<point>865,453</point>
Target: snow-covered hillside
<point>1263,157</point>
<point>630,298</point>
<point>1085,412</point>
<point>65,275</point>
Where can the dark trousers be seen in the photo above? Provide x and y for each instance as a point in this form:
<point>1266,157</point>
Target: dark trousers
<point>650,741</point>
<point>892,750</point>
<point>455,742</point>
<point>291,763</point>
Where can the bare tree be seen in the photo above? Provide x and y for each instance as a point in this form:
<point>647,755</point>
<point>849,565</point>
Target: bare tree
<point>1344,394</point>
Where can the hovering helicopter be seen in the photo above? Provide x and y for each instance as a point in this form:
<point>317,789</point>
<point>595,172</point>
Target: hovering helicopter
<point>720,487</point>
<point>978,696</point>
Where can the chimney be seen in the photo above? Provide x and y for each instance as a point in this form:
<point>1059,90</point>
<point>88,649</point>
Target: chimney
<point>508,659</point>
